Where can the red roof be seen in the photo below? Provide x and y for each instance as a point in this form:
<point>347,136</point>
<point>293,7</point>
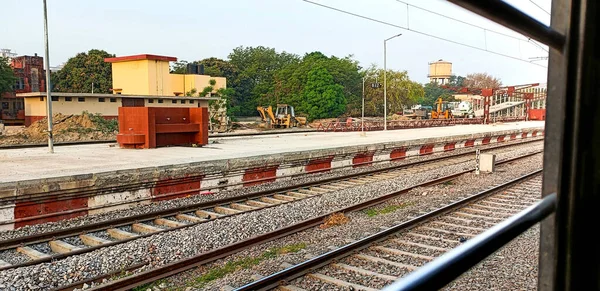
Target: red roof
<point>140,57</point>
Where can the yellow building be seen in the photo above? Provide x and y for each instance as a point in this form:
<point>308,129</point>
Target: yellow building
<point>440,72</point>
<point>150,75</point>
<point>138,81</point>
<point>105,104</point>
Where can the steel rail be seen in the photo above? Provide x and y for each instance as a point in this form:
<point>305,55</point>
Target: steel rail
<point>36,238</point>
<point>303,268</point>
<point>445,269</point>
<point>210,256</point>
<point>57,235</point>
<point>90,191</point>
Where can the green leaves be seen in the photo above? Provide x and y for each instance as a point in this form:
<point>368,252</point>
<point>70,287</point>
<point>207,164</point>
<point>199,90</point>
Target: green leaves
<point>7,77</point>
<point>323,98</point>
<point>81,71</point>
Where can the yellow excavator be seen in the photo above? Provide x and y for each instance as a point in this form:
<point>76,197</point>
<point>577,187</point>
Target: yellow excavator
<point>284,116</point>
<point>443,110</point>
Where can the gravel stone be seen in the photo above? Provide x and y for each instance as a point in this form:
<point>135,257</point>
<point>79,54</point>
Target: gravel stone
<point>161,205</point>
<point>163,248</point>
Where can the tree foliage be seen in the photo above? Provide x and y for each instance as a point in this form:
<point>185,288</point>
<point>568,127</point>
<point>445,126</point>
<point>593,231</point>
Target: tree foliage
<point>433,91</point>
<point>322,96</point>
<point>254,84</point>
<point>291,81</point>
<point>401,92</point>
<point>82,70</point>
<point>7,77</point>
<point>456,81</point>
<point>481,80</point>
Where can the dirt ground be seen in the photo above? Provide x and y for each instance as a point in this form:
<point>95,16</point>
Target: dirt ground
<point>66,128</point>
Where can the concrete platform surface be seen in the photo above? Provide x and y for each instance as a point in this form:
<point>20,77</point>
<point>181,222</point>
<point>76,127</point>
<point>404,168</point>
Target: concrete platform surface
<point>37,163</point>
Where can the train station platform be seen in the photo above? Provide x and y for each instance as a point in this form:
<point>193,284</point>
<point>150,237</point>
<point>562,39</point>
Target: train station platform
<point>100,174</point>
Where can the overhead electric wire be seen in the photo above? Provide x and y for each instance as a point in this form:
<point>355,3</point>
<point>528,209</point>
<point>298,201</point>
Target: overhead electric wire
<point>540,7</point>
<point>420,32</point>
<point>463,22</point>
<point>470,24</point>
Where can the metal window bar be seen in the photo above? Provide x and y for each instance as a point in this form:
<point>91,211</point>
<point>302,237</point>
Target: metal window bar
<point>569,256</point>
<point>443,270</point>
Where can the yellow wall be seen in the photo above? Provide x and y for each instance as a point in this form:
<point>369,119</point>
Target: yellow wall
<point>169,103</point>
<point>440,72</point>
<point>198,82</point>
<point>159,79</point>
<point>35,107</point>
<point>132,77</point>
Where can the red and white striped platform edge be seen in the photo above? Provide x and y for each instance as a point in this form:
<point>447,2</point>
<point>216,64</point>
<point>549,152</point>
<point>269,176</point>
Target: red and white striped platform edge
<point>46,200</point>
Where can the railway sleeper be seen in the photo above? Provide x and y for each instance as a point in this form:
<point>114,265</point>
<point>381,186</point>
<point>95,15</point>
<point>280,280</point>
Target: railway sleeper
<point>91,240</point>
<point>206,214</point>
<point>144,228</point>
<point>32,253</point>
<point>258,203</point>
<point>338,282</point>
<point>169,223</point>
<point>120,234</point>
<point>61,247</point>
<point>363,271</point>
<point>190,218</point>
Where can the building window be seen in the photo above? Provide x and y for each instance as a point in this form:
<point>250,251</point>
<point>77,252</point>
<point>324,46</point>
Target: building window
<point>68,99</point>
<point>80,99</point>
<point>182,101</point>
<point>100,99</point>
<point>174,101</point>
<point>4,105</point>
<point>41,98</point>
<point>19,84</point>
<point>113,100</point>
<point>191,101</point>
<point>160,101</point>
<point>54,98</point>
<point>150,100</point>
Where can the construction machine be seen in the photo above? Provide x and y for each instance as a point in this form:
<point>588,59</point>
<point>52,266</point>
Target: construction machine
<point>284,116</point>
<point>443,110</point>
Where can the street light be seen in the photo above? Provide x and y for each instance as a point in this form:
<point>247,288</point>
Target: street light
<point>362,120</point>
<point>48,84</point>
<point>385,80</point>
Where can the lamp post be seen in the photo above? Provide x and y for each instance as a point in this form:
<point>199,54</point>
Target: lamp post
<point>385,81</point>
<point>362,120</point>
<point>48,84</point>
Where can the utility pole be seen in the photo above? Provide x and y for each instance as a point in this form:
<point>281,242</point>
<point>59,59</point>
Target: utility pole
<point>385,80</point>
<point>48,84</point>
<point>362,120</point>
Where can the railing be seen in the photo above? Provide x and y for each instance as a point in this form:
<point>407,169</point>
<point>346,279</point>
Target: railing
<point>445,269</point>
<point>450,266</point>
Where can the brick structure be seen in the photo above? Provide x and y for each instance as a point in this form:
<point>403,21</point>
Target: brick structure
<point>151,127</point>
<point>31,77</point>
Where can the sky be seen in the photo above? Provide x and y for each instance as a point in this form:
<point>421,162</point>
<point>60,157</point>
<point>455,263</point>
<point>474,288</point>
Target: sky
<point>195,29</point>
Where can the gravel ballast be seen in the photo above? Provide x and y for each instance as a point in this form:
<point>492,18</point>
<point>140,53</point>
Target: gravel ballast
<point>319,241</point>
<point>167,204</point>
<point>168,247</point>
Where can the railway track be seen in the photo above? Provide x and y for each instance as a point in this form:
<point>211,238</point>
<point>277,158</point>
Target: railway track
<point>45,247</point>
<point>151,275</point>
<point>380,259</point>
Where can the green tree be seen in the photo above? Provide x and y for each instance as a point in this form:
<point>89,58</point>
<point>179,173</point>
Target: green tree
<point>82,70</point>
<point>433,91</point>
<point>456,81</point>
<point>7,77</point>
<point>291,80</point>
<point>255,81</point>
<point>179,67</point>
<point>323,98</point>
<point>401,92</point>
